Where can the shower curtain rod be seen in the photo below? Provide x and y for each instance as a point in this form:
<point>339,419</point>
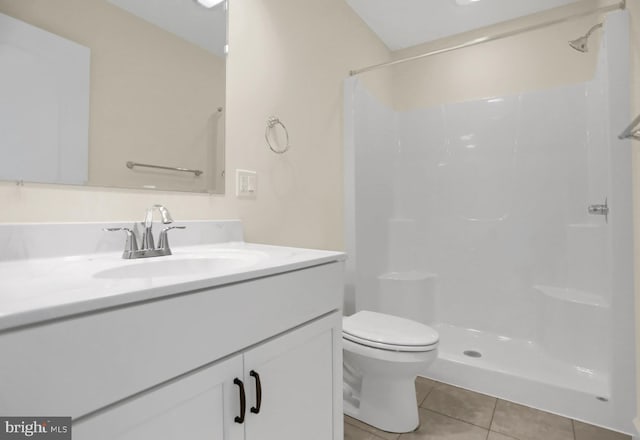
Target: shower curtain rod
<point>486,39</point>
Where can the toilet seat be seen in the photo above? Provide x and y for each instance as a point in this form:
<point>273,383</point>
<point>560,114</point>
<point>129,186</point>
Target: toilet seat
<point>390,347</point>
<point>387,332</point>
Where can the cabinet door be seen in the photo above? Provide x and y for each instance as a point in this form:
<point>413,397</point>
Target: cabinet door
<point>199,405</point>
<point>298,378</point>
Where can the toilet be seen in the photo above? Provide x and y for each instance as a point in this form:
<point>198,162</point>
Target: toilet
<point>382,355</point>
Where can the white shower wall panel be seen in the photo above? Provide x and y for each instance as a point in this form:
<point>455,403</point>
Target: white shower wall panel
<point>421,146</point>
<point>493,185</point>
<point>491,195</point>
<point>479,171</point>
<point>376,144</point>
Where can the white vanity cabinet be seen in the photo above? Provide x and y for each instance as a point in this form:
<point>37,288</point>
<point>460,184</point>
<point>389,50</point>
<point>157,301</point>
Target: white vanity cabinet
<point>197,406</point>
<point>297,373</point>
<point>287,384</point>
<point>164,369</point>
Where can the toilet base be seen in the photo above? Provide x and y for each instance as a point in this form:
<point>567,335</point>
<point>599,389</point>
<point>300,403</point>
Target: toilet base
<point>389,405</point>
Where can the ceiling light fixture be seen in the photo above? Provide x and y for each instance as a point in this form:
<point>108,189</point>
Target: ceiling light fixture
<point>465,2</point>
<point>209,3</point>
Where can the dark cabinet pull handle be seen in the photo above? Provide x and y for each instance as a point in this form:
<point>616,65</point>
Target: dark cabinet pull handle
<point>243,401</point>
<point>256,376</point>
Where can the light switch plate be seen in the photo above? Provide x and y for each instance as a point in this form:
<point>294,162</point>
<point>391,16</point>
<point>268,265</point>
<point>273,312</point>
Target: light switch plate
<point>246,184</point>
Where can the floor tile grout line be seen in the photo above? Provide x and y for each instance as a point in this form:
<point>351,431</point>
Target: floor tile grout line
<point>455,418</point>
<point>493,416</point>
<point>430,391</point>
<point>436,385</point>
<point>504,435</point>
<point>493,413</point>
<point>573,428</point>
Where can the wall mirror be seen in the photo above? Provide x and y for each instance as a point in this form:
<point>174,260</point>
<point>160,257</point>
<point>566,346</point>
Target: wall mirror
<point>113,93</point>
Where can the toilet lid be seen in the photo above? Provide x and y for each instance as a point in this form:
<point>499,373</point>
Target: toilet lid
<point>380,330</point>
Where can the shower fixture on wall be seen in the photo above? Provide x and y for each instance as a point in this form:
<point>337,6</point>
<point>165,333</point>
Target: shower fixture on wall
<point>580,44</point>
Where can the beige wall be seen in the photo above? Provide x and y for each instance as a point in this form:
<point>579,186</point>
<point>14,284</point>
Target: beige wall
<point>287,58</point>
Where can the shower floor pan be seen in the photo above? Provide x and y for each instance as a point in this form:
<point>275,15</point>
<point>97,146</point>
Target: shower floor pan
<point>521,371</point>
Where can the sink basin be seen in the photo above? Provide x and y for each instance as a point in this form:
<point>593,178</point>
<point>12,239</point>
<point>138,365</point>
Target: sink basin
<point>164,267</point>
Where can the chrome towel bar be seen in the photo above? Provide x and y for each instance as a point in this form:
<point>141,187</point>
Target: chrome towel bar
<point>131,165</point>
<point>632,131</point>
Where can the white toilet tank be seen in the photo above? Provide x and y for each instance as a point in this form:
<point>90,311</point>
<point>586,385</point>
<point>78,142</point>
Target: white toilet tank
<point>410,294</point>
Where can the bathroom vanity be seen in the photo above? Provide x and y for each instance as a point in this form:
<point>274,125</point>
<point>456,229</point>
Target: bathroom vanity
<point>222,340</point>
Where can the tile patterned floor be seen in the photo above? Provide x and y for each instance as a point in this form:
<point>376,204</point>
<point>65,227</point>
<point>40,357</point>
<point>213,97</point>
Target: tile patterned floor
<point>448,412</point>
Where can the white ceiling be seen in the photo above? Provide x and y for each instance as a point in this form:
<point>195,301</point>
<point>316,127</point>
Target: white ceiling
<point>405,23</point>
<point>205,27</point>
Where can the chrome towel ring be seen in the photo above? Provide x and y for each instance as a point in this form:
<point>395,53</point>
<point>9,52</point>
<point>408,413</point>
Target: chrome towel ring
<point>272,122</point>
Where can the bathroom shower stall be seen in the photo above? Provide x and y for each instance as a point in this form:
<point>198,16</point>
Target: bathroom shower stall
<point>508,221</point>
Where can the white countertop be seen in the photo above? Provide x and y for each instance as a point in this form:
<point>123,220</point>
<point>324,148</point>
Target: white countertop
<point>40,289</point>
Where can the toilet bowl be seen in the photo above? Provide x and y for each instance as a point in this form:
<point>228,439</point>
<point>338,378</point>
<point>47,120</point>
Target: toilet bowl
<point>382,355</point>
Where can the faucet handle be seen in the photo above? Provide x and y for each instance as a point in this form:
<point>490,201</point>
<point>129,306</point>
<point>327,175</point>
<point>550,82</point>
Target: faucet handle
<point>163,242</point>
<point>131,245</point>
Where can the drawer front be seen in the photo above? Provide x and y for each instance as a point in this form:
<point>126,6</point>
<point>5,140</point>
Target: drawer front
<point>76,366</point>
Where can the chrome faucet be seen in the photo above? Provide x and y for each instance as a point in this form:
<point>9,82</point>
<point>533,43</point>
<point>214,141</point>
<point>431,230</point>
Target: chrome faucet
<point>148,248</point>
<point>147,236</point>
